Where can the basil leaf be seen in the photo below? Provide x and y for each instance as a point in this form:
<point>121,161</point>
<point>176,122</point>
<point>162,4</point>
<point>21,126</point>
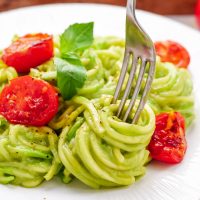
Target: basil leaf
<point>76,37</point>
<point>70,77</point>
<point>72,58</point>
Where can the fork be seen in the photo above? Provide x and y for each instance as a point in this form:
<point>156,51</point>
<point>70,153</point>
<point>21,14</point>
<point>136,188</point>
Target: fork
<point>139,46</point>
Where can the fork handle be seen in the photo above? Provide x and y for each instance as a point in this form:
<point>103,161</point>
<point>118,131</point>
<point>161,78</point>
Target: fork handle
<point>131,4</point>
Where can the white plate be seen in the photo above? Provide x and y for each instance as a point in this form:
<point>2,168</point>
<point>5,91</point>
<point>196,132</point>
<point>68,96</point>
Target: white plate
<point>162,182</point>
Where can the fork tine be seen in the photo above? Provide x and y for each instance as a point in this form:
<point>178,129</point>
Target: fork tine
<point>128,86</point>
<point>136,90</point>
<point>146,91</point>
<point>122,75</point>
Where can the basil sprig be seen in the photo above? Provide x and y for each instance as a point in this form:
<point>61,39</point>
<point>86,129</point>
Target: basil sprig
<point>71,74</point>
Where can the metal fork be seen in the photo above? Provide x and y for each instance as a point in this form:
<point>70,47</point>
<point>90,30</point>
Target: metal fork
<point>139,46</point>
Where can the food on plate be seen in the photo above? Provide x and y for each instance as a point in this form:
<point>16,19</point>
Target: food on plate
<point>28,155</point>
<point>172,91</point>
<point>7,74</point>
<point>57,116</point>
<point>170,51</point>
<point>28,101</point>
<point>168,143</point>
<point>103,150</point>
<point>28,51</point>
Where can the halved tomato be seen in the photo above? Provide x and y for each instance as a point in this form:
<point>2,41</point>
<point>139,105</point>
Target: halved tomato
<point>170,51</point>
<point>28,101</point>
<point>28,52</point>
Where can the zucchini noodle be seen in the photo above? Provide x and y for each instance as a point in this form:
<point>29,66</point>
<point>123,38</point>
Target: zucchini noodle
<point>28,155</point>
<point>172,91</point>
<point>101,150</point>
<point>6,74</point>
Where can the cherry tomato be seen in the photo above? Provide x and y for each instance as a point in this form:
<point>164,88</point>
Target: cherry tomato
<point>28,52</point>
<point>173,52</point>
<point>168,143</point>
<point>197,12</point>
<point>28,101</point>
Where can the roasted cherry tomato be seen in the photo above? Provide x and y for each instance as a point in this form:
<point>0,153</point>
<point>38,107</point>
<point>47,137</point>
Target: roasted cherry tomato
<point>28,101</point>
<point>168,143</point>
<point>173,52</point>
<point>28,52</point>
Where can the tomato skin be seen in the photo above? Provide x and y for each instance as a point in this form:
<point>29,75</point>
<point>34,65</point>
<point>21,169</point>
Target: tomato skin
<point>170,51</point>
<point>28,101</point>
<point>168,143</point>
<point>28,52</point>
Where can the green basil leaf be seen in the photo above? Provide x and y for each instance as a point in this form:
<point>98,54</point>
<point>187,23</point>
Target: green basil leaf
<point>72,58</point>
<point>76,37</point>
<point>70,77</point>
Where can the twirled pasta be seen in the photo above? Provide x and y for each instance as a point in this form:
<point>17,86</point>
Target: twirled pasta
<point>172,90</point>
<point>28,155</point>
<point>101,150</point>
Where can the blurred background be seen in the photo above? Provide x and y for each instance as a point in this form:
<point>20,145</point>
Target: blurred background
<point>186,11</point>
